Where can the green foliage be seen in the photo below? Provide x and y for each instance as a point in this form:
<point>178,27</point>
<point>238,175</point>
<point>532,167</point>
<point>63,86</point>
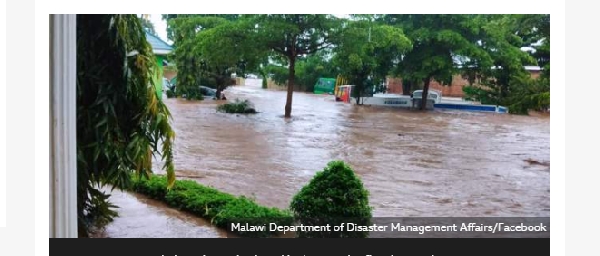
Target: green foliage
<point>308,70</point>
<point>290,36</point>
<point>171,92</point>
<point>313,67</point>
<point>237,107</point>
<point>278,74</point>
<point>334,196</point>
<point>442,44</point>
<point>478,93</point>
<point>366,52</point>
<point>194,94</point>
<point>529,94</point>
<point>121,121</point>
<point>220,208</point>
<point>212,48</point>
<point>508,83</point>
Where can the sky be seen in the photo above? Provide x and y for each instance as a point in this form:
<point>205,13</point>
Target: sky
<point>160,26</point>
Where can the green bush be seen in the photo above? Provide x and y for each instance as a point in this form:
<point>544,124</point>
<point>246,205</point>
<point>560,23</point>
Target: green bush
<point>334,196</point>
<point>193,93</point>
<point>485,96</point>
<point>220,208</point>
<point>239,107</point>
<point>170,93</point>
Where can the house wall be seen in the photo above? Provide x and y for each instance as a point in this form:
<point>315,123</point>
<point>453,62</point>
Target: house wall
<point>455,89</point>
<point>159,75</point>
<point>394,85</point>
<point>169,74</point>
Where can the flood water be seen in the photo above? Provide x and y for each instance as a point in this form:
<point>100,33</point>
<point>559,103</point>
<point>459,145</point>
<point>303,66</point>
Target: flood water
<point>426,164</point>
<point>413,163</point>
<point>142,217</point>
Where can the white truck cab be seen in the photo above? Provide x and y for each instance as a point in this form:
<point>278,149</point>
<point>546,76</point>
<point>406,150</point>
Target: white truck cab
<point>434,95</point>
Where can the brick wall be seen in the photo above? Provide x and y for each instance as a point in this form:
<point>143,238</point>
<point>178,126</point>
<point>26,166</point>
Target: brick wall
<point>394,85</point>
<point>169,74</point>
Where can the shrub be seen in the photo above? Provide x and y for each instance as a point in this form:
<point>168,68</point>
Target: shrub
<point>170,93</point>
<point>239,107</point>
<point>334,196</point>
<point>220,208</point>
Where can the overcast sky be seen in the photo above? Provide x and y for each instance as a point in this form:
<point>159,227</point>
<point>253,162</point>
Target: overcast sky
<point>160,26</point>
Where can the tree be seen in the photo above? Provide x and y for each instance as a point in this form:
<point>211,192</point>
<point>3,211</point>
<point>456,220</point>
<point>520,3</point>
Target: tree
<point>501,41</point>
<point>535,31</point>
<point>121,121</point>
<point>441,44</point>
<point>366,53</point>
<point>293,35</point>
<point>212,48</point>
<point>168,17</point>
<point>309,69</point>
<point>148,26</point>
<point>508,83</point>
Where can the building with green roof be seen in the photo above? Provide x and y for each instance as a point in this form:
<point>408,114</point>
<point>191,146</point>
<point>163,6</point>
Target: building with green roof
<point>160,49</point>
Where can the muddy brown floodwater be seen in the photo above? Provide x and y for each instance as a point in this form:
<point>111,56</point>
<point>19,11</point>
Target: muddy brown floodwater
<point>142,217</point>
<point>414,164</point>
<point>440,163</point>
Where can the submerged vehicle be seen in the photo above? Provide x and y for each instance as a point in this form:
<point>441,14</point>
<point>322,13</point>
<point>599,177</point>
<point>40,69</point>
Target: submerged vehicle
<point>434,101</point>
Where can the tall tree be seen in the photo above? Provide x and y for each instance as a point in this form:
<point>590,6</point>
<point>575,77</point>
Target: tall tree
<point>293,35</point>
<point>168,17</point>
<point>508,83</point>
<point>441,45</point>
<point>121,121</point>
<point>366,53</point>
<point>308,71</point>
<point>501,41</point>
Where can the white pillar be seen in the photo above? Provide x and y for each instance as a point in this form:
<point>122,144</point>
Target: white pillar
<point>63,147</point>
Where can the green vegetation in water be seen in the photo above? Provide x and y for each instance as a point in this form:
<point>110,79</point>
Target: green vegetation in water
<point>220,208</point>
<point>334,196</point>
<point>238,107</point>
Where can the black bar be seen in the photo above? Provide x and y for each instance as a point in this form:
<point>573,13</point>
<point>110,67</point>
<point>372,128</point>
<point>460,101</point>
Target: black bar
<point>306,247</point>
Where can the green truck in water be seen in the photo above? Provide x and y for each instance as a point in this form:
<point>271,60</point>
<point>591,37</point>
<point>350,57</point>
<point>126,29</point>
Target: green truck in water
<point>325,85</point>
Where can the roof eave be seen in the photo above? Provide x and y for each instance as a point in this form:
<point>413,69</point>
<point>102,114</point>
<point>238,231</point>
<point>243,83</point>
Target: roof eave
<point>162,51</point>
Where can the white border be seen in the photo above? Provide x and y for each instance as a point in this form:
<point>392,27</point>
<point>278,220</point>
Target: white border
<point>3,166</point>
<point>555,8</point>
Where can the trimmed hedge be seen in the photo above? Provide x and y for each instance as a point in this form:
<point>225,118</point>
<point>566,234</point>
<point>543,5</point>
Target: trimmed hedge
<point>334,196</point>
<point>220,208</point>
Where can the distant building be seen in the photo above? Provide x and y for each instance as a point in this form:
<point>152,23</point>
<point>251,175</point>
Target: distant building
<point>455,89</point>
<point>160,49</point>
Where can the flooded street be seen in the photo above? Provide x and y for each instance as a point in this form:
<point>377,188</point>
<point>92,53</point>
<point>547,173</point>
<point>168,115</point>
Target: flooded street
<point>440,163</point>
<point>142,217</point>
<point>414,164</point>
